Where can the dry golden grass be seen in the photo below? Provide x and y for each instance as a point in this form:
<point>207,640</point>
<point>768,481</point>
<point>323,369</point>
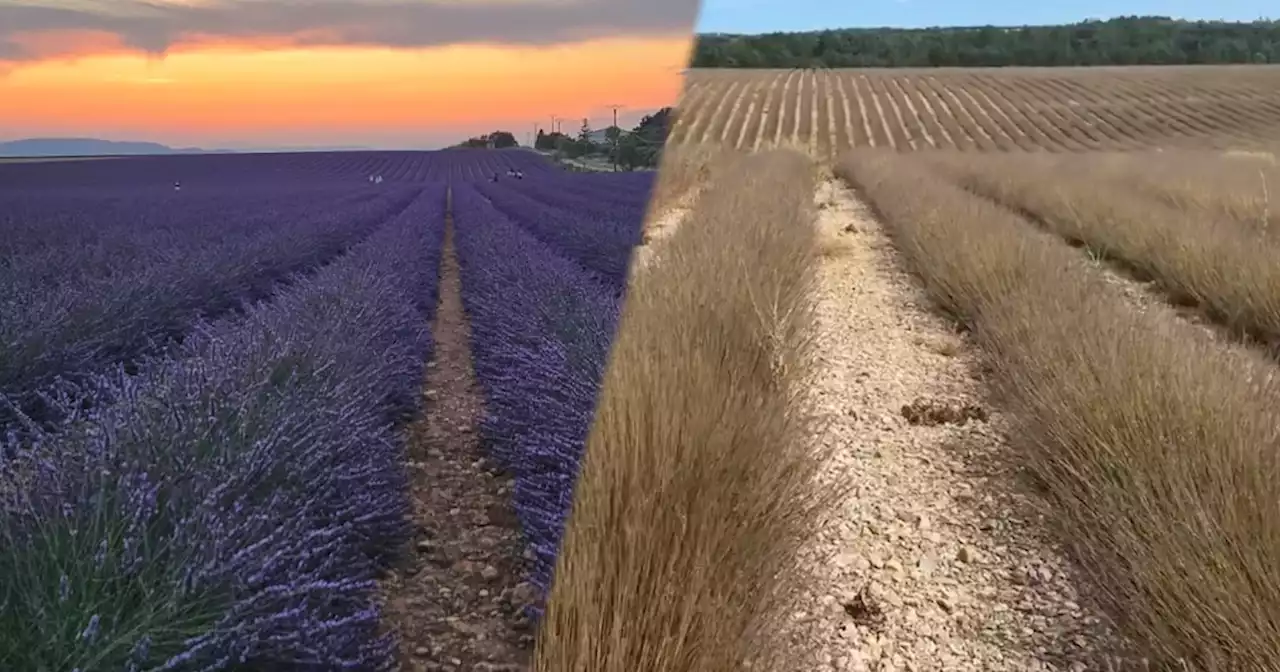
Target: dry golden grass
<point>1215,263</point>
<point>1158,448</point>
<point>683,172</point>
<point>1237,186</point>
<point>688,169</point>
<point>698,486</point>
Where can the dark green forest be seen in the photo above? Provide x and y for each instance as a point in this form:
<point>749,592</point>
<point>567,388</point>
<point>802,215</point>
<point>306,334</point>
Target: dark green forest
<point>1132,40</point>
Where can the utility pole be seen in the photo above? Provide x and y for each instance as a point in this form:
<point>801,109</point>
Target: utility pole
<point>617,135</point>
<point>555,146</point>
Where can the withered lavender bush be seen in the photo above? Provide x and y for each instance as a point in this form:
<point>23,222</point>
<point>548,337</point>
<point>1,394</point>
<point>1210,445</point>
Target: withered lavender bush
<point>697,489</point>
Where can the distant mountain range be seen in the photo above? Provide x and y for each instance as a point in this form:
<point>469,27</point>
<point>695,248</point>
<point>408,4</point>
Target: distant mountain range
<point>34,147</point>
<point>87,147</point>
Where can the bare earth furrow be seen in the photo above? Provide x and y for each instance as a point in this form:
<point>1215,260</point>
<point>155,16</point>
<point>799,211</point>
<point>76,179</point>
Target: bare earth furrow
<point>982,118</point>
<point>751,119</point>
<point>698,110</point>
<point>887,139</point>
<point>1130,96</point>
<point>1104,128</point>
<point>1137,129</point>
<point>866,139</point>
<point>843,121</point>
<point>802,121</point>
<point>939,133</point>
<point>925,565</point>
<point>714,129</point>
<point>825,128</point>
<point>1014,113</point>
<point>728,127</point>
<point>1051,115</point>
<point>768,111</point>
<point>816,127</point>
<point>686,108</point>
<point>975,131</point>
<point>915,122</point>
<point>898,124</point>
<point>996,113</point>
<point>782,108</point>
<point>1075,121</point>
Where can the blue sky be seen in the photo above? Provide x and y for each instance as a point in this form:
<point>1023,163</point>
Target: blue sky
<point>762,16</point>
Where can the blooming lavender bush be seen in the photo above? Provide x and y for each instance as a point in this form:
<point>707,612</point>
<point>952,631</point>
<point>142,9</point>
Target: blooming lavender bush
<point>601,246</point>
<point>138,220</point>
<point>601,202</point>
<point>337,169</point>
<point>79,306</point>
<point>626,189</point>
<point>541,330</point>
<point>229,506</point>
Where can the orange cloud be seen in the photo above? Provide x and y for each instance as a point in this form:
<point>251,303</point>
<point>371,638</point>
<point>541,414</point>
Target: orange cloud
<point>226,90</point>
<point>67,44</point>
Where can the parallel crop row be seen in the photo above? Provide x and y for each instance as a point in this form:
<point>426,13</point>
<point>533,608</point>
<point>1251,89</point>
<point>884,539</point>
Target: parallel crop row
<point>601,246</point>
<point>303,169</point>
<point>1066,109</point>
<point>599,203</point>
<point>1152,440</point>
<point>81,305</point>
<point>541,329</point>
<point>229,507</point>
<point>148,221</point>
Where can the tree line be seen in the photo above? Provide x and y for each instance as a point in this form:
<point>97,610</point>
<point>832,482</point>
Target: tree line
<point>494,140</point>
<point>640,147</point>
<point>1129,40</point>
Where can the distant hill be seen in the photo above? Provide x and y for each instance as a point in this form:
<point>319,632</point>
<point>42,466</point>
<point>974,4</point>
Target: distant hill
<point>86,147</point>
<point>289,149</point>
<point>35,147</point>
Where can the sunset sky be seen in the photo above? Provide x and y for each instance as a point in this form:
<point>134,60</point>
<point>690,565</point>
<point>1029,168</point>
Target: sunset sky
<point>375,73</point>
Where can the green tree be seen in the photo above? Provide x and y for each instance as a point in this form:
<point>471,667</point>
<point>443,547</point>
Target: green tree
<point>630,156</point>
<point>1125,40</point>
<point>503,139</point>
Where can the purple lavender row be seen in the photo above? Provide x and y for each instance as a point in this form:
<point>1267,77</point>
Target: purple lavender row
<point>599,203</point>
<point>71,311</point>
<point>601,246</point>
<point>541,330</point>
<point>233,506</point>
<point>617,187</point>
<point>297,168</point>
<point>110,223</point>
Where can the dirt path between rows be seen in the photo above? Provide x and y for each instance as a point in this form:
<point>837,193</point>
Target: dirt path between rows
<point>934,562</point>
<point>455,601</point>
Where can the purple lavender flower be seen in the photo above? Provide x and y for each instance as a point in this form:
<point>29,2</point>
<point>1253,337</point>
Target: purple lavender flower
<point>225,373</point>
<point>90,632</point>
<point>543,303</point>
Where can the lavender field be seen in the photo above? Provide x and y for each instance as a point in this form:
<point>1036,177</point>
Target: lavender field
<point>205,389</point>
